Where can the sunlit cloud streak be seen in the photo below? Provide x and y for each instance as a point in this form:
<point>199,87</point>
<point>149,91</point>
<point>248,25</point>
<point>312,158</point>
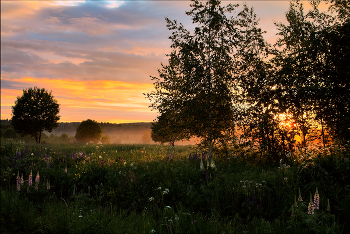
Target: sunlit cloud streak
<point>83,99</point>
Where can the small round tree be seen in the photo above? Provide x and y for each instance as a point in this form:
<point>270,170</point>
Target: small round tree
<point>64,138</point>
<point>106,140</point>
<point>35,112</point>
<point>88,130</point>
<point>10,133</point>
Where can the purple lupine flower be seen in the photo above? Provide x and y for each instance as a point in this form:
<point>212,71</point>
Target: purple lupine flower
<point>30,179</point>
<point>190,157</point>
<point>310,207</point>
<point>317,200</point>
<point>37,180</point>
<point>18,182</point>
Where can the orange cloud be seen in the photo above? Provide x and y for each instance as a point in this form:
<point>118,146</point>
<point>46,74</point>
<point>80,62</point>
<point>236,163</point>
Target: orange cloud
<point>102,100</point>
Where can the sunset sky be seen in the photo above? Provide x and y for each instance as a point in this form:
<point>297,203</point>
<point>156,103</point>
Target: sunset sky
<point>96,56</point>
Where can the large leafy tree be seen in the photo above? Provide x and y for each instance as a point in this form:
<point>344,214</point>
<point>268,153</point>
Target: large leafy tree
<point>312,67</point>
<point>198,83</point>
<point>34,112</point>
<point>88,130</point>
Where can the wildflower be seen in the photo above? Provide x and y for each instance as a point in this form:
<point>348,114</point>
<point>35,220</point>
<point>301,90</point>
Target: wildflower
<point>159,188</point>
<point>166,191</point>
<point>317,200</point>
<point>37,180</point>
<point>21,180</point>
<point>176,218</point>
<point>30,179</point>
<point>168,207</point>
<point>328,207</point>
<point>201,165</point>
<point>47,184</point>
<point>300,198</point>
<point>80,216</point>
<point>153,231</point>
<point>18,181</point>
<point>151,199</point>
<point>212,163</point>
<point>65,170</point>
<point>32,154</point>
<point>311,207</point>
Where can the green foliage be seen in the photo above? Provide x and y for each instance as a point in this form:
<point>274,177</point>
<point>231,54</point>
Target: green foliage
<point>64,138</point>
<point>35,111</point>
<point>312,73</point>
<point>195,91</point>
<point>136,188</point>
<point>88,130</point>
<point>10,133</point>
<point>106,140</point>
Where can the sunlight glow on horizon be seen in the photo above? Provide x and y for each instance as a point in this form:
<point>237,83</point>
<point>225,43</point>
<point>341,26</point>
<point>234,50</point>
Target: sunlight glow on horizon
<point>101,100</point>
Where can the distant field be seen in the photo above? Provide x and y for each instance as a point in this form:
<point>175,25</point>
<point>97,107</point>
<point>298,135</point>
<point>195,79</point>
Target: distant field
<point>94,188</point>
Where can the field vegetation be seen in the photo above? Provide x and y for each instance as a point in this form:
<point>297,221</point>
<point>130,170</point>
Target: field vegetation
<point>96,188</point>
<point>272,123</point>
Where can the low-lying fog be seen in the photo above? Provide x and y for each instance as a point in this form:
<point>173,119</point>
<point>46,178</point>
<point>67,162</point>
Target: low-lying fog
<point>132,133</point>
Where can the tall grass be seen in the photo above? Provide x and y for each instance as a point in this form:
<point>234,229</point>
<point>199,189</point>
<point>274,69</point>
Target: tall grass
<point>144,189</point>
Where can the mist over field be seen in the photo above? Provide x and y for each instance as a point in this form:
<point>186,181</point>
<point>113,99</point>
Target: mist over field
<point>125,133</point>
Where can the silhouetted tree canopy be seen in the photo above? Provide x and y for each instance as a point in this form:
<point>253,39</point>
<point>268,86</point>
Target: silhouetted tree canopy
<point>88,130</point>
<point>35,111</point>
<point>197,85</point>
<point>312,75</point>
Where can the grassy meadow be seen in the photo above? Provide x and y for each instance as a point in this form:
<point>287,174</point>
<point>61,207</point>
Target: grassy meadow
<point>95,188</point>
